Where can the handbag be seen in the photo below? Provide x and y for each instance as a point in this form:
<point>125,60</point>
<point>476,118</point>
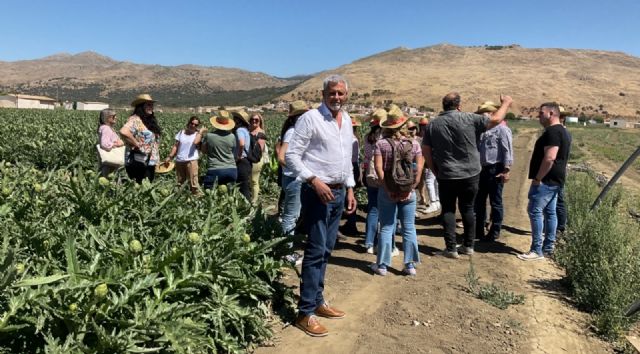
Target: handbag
<point>113,157</point>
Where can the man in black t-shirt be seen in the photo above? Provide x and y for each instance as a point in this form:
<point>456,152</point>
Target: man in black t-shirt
<point>547,170</point>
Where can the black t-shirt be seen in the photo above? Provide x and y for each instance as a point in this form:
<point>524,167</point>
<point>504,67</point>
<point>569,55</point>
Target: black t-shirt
<point>554,135</point>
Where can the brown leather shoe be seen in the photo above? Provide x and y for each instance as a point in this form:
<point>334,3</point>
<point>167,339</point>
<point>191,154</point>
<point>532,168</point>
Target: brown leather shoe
<point>310,325</point>
<point>327,311</point>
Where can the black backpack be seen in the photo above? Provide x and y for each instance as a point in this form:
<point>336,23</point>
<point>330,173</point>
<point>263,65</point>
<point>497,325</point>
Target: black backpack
<point>255,151</point>
<point>399,176</point>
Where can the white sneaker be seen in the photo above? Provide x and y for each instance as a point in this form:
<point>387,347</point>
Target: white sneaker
<point>530,256</point>
<point>395,252</point>
<point>294,258</point>
<point>370,250</point>
<point>465,250</point>
<point>432,208</point>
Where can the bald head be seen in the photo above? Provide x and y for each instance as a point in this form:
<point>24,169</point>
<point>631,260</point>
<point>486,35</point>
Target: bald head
<point>451,101</point>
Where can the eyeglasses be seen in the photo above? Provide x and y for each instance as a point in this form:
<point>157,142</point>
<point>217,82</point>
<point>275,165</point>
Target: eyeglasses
<point>255,120</point>
<point>413,128</point>
<point>195,124</point>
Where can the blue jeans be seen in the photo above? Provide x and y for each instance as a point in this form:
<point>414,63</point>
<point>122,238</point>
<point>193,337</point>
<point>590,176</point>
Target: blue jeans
<point>321,223</point>
<point>542,214</point>
<point>372,216</point>
<point>219,176</point>
<point>406,212</point>
<point>561,210</point>
<point>290,204</point>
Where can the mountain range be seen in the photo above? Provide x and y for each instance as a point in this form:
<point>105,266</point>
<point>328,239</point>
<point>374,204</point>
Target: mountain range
<point>89,76</point>
<point>590,82</point>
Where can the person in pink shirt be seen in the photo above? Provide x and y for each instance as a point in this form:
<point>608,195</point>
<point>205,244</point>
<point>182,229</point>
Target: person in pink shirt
<point>107,137</point>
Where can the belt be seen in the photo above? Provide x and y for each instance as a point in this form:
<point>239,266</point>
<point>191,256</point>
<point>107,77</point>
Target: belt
<point>336,185</point>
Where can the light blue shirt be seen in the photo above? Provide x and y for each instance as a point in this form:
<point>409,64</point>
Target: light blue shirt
<point>496,146</point>
<point>243,133</point>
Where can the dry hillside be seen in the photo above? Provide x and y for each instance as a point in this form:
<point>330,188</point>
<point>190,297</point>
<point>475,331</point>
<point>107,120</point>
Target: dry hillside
<point>590,81</point>
<point>91,76</point>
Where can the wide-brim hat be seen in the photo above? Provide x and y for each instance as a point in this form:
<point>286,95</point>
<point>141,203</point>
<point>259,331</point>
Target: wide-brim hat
<point>165,167</point>
<point>242,115</point>
<point>297,108</point>
<point>223,121</point>
<point>563,112</point>
<point>145,97</point>
<point>395,118</point>
<point>377,116</point>
<point>487,106</point>
<point>423,121</point>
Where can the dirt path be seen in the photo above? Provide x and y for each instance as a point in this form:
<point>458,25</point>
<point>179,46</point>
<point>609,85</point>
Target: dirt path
<point>382,312</point>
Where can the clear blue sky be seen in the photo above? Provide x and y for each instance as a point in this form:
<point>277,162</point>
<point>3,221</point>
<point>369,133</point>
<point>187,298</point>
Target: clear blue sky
<point>288,37</point>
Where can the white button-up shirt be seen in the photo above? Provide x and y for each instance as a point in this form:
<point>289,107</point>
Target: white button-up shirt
<point>320,148</point>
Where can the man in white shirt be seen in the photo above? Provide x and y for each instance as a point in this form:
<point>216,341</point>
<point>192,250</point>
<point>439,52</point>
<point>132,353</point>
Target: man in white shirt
<point>320,155</point>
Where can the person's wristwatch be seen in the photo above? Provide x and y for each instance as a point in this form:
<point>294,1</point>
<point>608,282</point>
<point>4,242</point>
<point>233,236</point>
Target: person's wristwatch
<point>310,181</point>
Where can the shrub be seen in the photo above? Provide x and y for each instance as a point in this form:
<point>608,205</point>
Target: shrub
<point>600,255</point>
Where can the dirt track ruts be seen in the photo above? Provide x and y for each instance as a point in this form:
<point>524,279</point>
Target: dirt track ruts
<point>381,310</point>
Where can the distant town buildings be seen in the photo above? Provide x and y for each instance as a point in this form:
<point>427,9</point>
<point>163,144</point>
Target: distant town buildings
<point>91,106</point>
<point>26,101</point>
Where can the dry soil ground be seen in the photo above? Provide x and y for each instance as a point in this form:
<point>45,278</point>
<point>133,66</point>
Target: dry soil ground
<point>381,310</point>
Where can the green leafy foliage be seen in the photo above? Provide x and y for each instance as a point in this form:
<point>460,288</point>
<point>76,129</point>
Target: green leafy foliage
<point>492,294</point>
<point>90,266</point>
<point>601,254</point>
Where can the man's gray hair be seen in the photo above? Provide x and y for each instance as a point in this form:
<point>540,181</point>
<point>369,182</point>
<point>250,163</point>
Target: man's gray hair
<point>333,80</point>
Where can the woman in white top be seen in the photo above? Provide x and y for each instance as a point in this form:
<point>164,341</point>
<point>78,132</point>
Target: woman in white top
<point>185,151</point>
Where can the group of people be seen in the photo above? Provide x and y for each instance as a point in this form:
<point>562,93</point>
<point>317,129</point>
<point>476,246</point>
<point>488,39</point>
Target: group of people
<point>227,147</point>
<point>462,158</point>
<point>456,159</point>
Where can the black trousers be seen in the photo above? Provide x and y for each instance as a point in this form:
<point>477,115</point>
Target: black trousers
<point>462,191</point>
<point>139,171</point>
<point>244,177</point>
<point>490,187</point>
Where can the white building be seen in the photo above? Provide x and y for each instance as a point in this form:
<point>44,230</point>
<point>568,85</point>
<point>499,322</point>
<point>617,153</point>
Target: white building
<point>618,123</point>
<point>572,120</point>
<point>91,106</point>
<point>26,101</point>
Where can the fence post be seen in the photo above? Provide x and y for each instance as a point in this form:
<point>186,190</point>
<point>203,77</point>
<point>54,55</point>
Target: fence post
<point>615,178</point>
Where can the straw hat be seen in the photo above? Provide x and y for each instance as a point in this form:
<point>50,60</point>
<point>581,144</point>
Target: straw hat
<point>222,121</point>
<point>297,108</point>
<point>242,115</point>
<point>423,121</point>
<point>145,97</point>
<point>487,106</point>
<point>165,167</point>
<point>395,118</point>
<point>377,116</point>
<point>563,112</point>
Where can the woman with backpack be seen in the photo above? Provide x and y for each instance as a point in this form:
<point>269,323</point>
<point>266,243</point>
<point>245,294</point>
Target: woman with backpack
<point>243,141</point>
<point>256,128</point>
<point>393,158</point>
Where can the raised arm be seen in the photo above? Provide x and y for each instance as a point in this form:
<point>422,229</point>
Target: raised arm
<point>498,117</point>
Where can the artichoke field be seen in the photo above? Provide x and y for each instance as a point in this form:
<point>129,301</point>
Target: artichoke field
<point>91,264</point>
